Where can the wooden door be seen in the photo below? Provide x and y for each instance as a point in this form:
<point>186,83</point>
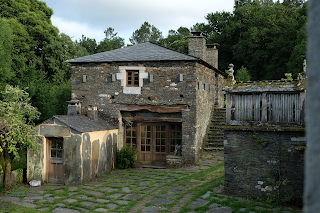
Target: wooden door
<point>55,169</point>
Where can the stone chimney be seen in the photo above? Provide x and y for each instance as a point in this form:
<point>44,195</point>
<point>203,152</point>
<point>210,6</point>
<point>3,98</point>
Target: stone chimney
<point>212,54</point>
<point>74,107</point>
<point>197,47</point>
<point>92,112</point>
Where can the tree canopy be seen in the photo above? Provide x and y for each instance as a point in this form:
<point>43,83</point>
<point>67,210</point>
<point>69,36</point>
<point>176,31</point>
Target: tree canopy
<point>268,38</point>
<point>145,33</point>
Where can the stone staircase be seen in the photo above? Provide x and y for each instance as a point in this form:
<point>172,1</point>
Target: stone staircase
<point>214,140</point>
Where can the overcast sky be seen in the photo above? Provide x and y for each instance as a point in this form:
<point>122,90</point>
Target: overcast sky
<point>92,17</point>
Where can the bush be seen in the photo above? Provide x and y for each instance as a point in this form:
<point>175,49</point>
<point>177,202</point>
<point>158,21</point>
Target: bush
<point>126,157</point>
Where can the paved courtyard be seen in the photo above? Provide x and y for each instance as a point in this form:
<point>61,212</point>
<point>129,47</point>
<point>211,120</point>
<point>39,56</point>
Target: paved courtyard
<point>196,188</point>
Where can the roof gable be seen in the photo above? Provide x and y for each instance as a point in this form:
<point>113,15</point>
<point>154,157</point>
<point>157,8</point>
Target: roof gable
<point>141,52</point>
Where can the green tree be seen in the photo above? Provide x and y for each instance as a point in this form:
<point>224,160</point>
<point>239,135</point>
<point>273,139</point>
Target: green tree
<point>16,127</point>
<point>5,53</point>
<point>242,75</point>
<point>146,33</point>
<point>110,42</point>
<point>176,40</point>
<point>89,44</point>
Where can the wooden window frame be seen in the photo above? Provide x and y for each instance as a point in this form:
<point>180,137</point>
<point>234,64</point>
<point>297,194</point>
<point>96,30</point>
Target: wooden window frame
<point>132,78</point>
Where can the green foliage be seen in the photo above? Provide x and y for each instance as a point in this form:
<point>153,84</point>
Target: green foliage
<point>146,33</point>
<point>5,53</point>
<point>111,41</point>
<point>16,127</point>
<point>89,44</point>
<point>265,37</point>
<point>126,158</point>
<point>176,40</point>
<point>242,75</point>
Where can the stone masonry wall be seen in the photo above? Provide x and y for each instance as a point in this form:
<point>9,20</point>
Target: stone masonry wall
<point>205,103</point>
<point>165,90</point>
<point>252,163</point>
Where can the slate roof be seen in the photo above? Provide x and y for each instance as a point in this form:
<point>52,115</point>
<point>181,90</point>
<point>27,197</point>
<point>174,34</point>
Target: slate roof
<point>141,52</point>
<point>82,123</point>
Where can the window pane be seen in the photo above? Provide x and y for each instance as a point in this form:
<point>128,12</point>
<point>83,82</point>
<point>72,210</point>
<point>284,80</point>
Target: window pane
<point>128,133</point>
<point>53,153</point>
<point>148,128</point>
<point>148,134</point>
<point>163,128</point>
<point>129,73</point>
<point>143,148</point>
<point>179,127</point>
<point>143,141</point>
<point>136,78</point>
<point>59,153</point>
<point>148,141</point>
<point>134,141</point>
<point>163,149</point>
<point>157,128</point>
<point>157,141</point>
<point>158,135</point>
<point>172,148</point>
<point>157,148</point>
<point>129,82</point>
<point>128,140</point>
<point>163,135</point>
<point>130,78</point>
<point>60,144</point>
<point>179,141</point>
<point>172,142</point>
<point>53,144</point>
<point>172,135</point>
<point>136,82</point>
<point>163,141</point>
<point>148,148</point>
<point>134,134</point>
<point>179,135</point>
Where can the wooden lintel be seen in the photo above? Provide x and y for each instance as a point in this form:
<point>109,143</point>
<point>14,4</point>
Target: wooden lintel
<point>152,108</point>
<point>153,119</point>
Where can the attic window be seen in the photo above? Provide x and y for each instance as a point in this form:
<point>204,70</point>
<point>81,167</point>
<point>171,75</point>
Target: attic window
<point>132,78</point>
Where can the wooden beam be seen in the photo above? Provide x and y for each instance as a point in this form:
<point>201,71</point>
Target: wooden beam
<point>152,108</point>
<point>152,119</point>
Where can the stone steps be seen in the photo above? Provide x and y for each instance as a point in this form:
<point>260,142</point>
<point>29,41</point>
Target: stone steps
<point>214,141</point>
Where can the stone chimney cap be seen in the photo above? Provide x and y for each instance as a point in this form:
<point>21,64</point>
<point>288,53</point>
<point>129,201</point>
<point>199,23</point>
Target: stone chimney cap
<point>194,33</point>
<point>212,45</point>
<point>74,101</point>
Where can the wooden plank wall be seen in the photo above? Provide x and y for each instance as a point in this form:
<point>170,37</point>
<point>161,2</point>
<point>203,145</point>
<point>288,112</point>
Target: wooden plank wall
<point>277,108</point>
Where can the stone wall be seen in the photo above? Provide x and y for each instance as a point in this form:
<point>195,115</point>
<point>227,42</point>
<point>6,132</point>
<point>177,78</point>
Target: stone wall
<point>253,158</point>
<point>14,178</point>
<point>165,89</point>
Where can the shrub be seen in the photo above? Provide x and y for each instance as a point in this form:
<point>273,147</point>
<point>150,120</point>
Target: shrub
<point>126,157</point>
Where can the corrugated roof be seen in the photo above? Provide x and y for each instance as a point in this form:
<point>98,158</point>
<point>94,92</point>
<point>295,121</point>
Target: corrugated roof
<point>141,52</point>
<point>82,123</point>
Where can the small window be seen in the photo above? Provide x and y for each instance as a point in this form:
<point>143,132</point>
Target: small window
<point>132,78</point>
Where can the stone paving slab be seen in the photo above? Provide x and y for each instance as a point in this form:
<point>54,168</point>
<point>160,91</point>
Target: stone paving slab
<point>70,200</point>
<point>25,204</point>
<point>206,195</point>
<point>126,189</point>
<point>169,196</point>
<point>10,199</point>
<point>108,189</point>
<point>153,209</point>
<point>64,210</point>
<point>116,195</point>
<point>102,200</point>
<point>122,202</point>
<point>112,205</point>
<point>100,210</point>
<point>160,201</point>
<point>197,203</point>
<point>89,204</point>
<point>220,210</point>
<point>93,192</point>
<point>132,196</point>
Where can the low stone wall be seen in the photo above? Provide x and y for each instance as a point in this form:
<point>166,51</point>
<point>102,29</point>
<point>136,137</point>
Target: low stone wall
<point>255,160</point>
<point>173,161</point>
<point>13,178</point>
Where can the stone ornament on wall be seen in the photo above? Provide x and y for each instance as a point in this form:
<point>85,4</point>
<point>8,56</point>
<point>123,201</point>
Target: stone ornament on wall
<point>122,77</point>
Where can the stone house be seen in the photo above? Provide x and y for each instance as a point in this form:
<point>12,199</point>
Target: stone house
<point>72,149</point>
<point>159,98</point>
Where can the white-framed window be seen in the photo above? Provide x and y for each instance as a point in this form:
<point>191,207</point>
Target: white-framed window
<point>131,78</point>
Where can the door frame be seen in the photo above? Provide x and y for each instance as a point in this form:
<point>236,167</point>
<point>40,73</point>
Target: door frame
<point>136,140</point>
<point>51,160</point>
